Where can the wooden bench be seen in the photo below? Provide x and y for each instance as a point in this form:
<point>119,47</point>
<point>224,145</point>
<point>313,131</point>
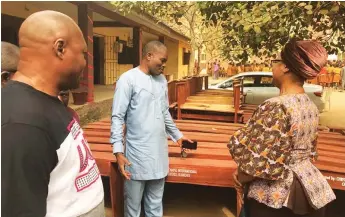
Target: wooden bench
<point>188,100</point>
<point>211,164</point>
<point>216,105</point>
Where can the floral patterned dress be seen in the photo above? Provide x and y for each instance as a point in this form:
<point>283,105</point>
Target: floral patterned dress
<point>277,145</point>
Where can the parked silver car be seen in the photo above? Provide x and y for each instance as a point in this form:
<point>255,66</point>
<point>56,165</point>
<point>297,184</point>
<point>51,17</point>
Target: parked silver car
<point>258,87</point>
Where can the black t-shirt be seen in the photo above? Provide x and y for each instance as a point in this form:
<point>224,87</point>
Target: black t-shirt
<point>41,141</point>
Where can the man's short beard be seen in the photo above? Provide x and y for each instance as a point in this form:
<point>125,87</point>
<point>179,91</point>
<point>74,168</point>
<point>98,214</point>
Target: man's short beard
<point>69,84</point>
<point>155,74</point>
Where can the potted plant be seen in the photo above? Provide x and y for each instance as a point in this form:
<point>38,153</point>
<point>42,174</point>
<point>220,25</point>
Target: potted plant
<point>79,95</point>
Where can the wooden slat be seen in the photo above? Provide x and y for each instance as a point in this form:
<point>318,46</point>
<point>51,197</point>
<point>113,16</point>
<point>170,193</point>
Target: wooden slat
<point>201,126</point>
<point>210,101</point>
<point>198,122</point>
<point>221,152</point>
<point>326,145</point>
<point>208,107</point>
<point>209,137</point>
<point>193,171</point>
<point>207,104</point>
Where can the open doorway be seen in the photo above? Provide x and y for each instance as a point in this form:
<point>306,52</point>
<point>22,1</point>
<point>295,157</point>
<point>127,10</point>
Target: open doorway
<point>98,60</point>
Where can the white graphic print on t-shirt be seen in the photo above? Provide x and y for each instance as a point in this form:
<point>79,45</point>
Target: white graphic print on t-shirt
<point>88,172</point>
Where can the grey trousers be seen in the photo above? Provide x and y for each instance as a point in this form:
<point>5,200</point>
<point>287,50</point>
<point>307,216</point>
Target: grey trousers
<point>98,211</point>
<point>150,190</point>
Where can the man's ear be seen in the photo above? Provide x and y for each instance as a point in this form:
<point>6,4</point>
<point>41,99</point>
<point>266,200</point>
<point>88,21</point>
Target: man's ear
<point>59,47</point>
<point>149,56</point>
<point>285,69</point>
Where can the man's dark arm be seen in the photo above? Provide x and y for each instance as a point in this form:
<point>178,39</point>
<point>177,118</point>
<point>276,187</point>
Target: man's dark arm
<point>27,159</point>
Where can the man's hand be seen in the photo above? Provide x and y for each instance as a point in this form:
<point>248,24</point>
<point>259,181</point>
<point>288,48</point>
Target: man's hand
<point>121,162</point>
<point>179,142</point>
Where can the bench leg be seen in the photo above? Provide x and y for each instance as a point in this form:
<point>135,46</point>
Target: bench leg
<point>116,191</point>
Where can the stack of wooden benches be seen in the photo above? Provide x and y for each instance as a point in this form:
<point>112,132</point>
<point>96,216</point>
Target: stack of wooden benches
<point>248,111</point>
<point>192,102</point>
<point>211,163</point>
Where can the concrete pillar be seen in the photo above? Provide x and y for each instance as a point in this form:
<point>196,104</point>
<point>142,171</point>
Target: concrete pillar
<point>85,22</point>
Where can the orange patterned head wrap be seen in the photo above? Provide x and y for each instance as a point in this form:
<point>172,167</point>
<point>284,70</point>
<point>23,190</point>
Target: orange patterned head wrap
<point>305,58</point>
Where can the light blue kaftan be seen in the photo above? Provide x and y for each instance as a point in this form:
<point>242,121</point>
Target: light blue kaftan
<point>141,102</point>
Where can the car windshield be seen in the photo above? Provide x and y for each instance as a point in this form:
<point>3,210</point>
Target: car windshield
<point>227,84</point>
<point>216,82</point>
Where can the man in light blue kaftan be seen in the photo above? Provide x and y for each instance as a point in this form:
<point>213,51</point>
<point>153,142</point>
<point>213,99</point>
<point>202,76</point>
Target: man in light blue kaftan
<point>141,103</point>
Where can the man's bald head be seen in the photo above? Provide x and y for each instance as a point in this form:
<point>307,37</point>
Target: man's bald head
<point>9,57</point>
<point>44,26</point>
<point>52,47</point>
<point>155,56</point>
<point>152,47</point>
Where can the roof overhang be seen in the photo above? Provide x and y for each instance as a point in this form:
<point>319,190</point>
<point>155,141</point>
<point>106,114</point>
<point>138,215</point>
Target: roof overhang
<point>145,22</point>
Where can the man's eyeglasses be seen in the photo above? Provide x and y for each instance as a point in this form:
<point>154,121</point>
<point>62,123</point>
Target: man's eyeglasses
<point>276,61</point>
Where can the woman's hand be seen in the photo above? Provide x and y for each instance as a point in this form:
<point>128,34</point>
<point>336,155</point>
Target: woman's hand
<point>238,184</point>
<point>238,187</point>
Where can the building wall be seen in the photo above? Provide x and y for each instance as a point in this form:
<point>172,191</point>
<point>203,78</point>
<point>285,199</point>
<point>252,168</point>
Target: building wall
<point>14,13</point>
<point>147,37</point>
<point>182,69</point>
<point>203,62</point>
<point>112,69</point>
<point>24,9</point>
<point>172,63</point>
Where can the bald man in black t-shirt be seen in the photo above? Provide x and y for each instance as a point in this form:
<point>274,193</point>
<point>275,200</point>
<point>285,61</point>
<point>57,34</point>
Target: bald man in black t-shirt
<point>47,168</point>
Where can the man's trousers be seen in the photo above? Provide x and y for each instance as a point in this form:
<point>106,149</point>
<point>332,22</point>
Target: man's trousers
<point>151,191</point>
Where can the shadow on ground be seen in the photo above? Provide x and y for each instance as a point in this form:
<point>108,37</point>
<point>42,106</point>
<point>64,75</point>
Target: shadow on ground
<point>183,200</point>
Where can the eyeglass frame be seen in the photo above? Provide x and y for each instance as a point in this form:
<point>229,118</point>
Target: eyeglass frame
<point>276,61</point>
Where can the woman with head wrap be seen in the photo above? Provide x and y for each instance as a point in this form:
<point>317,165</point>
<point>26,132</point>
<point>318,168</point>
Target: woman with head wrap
<point>275,149</point>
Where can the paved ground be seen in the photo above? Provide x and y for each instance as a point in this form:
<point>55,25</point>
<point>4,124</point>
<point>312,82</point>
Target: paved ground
<point>334,116</point>
<point>101,93</point>
<point>182,200</point>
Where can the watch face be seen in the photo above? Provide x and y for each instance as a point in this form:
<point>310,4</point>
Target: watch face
<point>184,154</point>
